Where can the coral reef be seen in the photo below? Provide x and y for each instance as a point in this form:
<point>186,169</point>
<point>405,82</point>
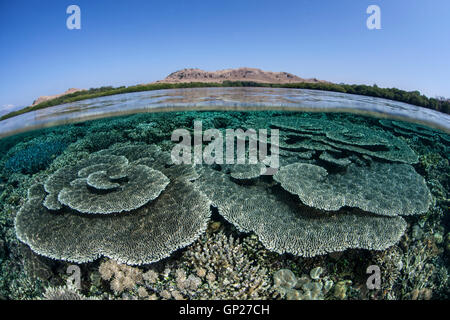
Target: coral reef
<point>63,177</point>
<point>413,130</point>
<point>247,171</point>
<point>283,225</point>
<point>330,158</point>
<point>153,157</point>
<point>147,234</point>
<point>136,186</point>
<point>63,293</point>
<point>323,134</point>
<point>229,272</point>
<point>32,157</point>
<point>121,276</point>
<point>305,287</point>
<point>270,238</point>
<point>214,267</point>
<point>284,280</point>
<point>362,187</point>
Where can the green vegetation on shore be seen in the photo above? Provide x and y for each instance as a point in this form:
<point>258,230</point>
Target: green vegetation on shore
<point>411,97</point>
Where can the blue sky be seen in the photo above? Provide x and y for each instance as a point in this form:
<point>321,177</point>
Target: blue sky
<point>131,42</point>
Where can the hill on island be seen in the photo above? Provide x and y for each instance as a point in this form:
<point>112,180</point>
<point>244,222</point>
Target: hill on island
<point>241,74</point>
<point>242,77</point>
<point>47,98</point>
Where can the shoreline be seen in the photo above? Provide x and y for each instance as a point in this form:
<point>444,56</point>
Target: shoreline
<point>393,94</point>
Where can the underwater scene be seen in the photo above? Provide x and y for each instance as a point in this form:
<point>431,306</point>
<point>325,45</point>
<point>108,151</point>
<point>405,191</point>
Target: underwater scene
<point>226,204</point>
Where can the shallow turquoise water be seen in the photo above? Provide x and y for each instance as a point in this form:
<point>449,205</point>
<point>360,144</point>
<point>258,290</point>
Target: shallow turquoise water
<point>347,191</point>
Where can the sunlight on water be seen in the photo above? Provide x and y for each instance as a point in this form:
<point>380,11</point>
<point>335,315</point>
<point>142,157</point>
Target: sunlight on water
<point>222,99</point>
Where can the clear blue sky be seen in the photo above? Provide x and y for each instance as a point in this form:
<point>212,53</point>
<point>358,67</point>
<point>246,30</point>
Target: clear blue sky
<point>131,42</point>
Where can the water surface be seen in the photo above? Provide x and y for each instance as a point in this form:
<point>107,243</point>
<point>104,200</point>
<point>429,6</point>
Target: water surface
<point>222,99</point>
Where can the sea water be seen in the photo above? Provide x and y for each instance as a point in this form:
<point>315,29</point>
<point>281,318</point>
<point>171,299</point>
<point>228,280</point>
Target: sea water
<point>168,195</point>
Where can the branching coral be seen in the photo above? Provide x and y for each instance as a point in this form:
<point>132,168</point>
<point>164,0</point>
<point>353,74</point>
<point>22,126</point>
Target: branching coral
<point>224,260</point>
<point>228,271</point>
<point>121,276</point>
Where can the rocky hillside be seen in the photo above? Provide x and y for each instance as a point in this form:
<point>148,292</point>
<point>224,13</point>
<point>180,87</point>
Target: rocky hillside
<point>241,74</point>
<point>46,98</point>
<point>198,75</point>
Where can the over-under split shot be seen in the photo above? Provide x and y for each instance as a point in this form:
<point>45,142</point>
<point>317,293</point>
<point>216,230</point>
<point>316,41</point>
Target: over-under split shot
<point>224,150</point>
